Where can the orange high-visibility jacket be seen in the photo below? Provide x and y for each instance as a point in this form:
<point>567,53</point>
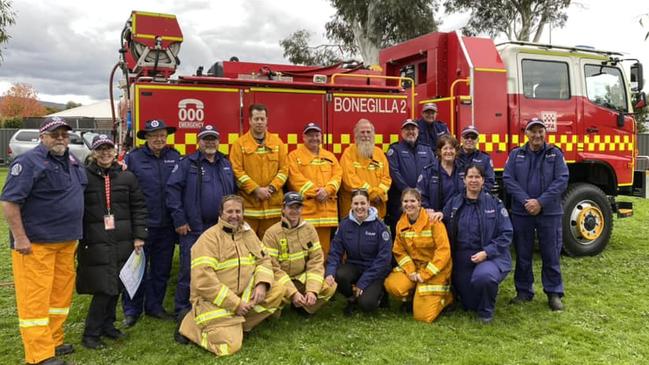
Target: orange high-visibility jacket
<point>423,247</point>
<point>227,263</point>
<point>306,174</point>
<point>256,165</point>
<point>372,174</point>
<point>297,253</point>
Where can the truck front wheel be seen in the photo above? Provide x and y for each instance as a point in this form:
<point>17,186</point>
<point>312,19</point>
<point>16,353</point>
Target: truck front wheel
<point>587,220</point>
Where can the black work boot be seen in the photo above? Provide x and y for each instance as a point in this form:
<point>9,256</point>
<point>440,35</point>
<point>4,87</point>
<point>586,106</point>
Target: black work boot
<point>520,299</point>
<point>350,308</point>
<point>63,349</point>
<point>554,302</point>
<point>92,342</point>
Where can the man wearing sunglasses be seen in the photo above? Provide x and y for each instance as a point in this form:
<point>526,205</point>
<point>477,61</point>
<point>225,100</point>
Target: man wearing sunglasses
<point>470,154</point>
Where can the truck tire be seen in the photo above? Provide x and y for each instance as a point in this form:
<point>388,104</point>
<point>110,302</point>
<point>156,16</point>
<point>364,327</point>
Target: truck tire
<point>587,220</point>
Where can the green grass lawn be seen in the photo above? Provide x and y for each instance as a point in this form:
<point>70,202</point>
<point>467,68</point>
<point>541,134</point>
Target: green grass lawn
<point>604,323</point>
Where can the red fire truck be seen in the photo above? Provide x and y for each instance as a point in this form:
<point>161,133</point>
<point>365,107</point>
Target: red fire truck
<point>582,94</point>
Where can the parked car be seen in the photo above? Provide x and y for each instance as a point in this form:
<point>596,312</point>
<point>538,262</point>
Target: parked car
<point>25,139</point>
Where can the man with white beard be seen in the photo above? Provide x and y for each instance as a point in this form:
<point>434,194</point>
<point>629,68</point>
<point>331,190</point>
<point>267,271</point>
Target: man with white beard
<point>195,189</point>
<point>364,167</point>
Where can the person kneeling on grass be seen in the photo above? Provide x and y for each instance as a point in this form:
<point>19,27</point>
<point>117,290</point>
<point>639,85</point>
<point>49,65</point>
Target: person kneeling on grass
<point>481,232</point>
<point>231,288</point>
<point>421,279</point>
<point>297,257</point>
<point>364,239</point>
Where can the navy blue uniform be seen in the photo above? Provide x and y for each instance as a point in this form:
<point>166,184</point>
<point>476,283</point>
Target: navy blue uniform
<point>475,225</point>
<point>49,190</point>
<point>368,247</point>
<point>194,193</point>
<point>428,133</point>
<point>152,173</point>
<point>479,158</point>
<point>437,186</point>
<point>541,175</point>
<point>406,164</point>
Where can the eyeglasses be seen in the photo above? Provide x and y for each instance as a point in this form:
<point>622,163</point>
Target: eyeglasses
<point>470,136</point>
<point>56,135</point>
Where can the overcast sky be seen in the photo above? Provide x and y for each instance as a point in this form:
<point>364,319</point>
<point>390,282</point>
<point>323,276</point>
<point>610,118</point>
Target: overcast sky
<point>66,50</point>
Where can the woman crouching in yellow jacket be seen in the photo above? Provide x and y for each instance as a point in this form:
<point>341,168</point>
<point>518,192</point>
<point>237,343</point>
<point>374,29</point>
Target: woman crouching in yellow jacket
<point>423,254</point>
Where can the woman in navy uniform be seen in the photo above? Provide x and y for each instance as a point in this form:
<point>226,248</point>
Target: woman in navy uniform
<point>366,243</point>
<point>442,179</point>
<point>480,232</point>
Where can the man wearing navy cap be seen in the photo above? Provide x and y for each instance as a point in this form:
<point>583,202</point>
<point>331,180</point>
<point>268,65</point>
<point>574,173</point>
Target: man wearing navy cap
<point>429,127</point>
<point>407,159</point>
<point>43,204</point>
<point>152,164</point>
<point>470,154</point>
<point>535,177</point>
<point>195,189</point>
<point>316,174</point>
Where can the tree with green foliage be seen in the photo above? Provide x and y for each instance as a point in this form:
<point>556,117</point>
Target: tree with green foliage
<point>365,26</point>
<point>71,104</point>
<point>297,50</point>
<point>521,20</point>
<point>7,18</point>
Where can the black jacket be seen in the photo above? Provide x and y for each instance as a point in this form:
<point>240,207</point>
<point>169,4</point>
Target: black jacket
<point>102,253</point>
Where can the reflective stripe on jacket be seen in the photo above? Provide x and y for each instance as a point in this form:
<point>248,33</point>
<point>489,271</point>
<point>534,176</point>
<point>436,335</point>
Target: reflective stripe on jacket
<point>256,166</point>
<point>307,174</point>
<point>297,253</point>
<point>423,248</point>
<point>227,263</point>
<point>372,174</point>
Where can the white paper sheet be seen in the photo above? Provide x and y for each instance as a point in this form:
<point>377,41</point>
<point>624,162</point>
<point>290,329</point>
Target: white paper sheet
<point>133,272</point>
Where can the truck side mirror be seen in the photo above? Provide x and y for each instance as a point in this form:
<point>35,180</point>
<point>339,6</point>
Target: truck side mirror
<point>637,76</point>
<point>620,119</point>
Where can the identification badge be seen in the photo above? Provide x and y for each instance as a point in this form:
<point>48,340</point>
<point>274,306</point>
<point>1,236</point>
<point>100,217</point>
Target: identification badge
<point>109,222</point>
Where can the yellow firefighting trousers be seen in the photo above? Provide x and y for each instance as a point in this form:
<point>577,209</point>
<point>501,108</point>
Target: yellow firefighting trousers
<point>324,234</point>
<point>259,226</point>
<point>429,299</point>
<point>44,283</point>
<point>326,292</point>
<point>224,336</point>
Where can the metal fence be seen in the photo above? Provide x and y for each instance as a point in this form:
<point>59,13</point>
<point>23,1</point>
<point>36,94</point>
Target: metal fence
<point>6,133</point>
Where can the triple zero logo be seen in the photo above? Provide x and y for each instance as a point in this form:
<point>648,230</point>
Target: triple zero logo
<point>190,113</point>
<point>369,105</point>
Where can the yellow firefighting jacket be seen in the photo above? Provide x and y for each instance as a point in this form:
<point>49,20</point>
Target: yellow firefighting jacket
<point>256,165</point>
<point>423,247</point>
<point>308,173</point>
<point>372,174</point>
<point>296,255</point>
<point>227,263</point>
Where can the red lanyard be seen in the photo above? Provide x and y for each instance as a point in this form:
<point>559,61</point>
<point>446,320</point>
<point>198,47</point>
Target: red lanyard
<point>107,189</point>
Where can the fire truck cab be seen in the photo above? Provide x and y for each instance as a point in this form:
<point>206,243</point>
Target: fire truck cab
<point>582,95</point>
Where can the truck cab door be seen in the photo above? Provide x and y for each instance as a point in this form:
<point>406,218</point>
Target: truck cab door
<point>547,85</point>
<point>607,129</point>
